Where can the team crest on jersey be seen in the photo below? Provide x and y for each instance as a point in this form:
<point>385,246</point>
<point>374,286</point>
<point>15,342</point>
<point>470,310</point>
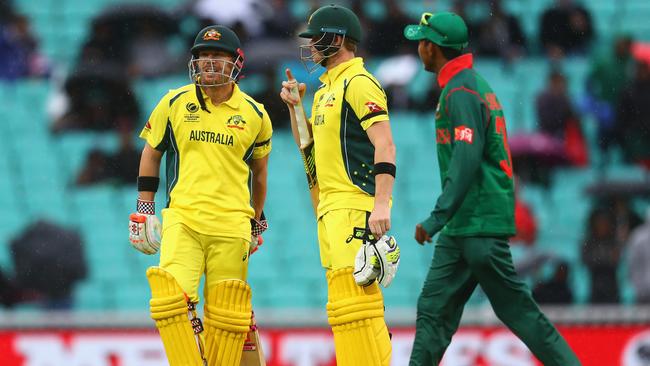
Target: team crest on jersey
<point>463,133</point>
<point>330,100</point>
<point>236,121</point>
<point>374,107</point>
<point>212,35</point>
<point>148,125</point>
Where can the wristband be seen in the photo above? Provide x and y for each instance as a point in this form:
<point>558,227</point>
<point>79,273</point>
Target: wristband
<point>146,207</point>
<point>148,184</point>
<point>384,168</point>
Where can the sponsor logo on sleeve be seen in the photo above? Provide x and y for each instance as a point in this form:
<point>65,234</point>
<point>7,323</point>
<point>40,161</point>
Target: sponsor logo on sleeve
<point>463,133</point>
<point>373,107</point>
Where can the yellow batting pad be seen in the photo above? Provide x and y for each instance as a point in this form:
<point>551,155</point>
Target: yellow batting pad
<point>227,321</point>
<point>356,315</point>
<point>169,309</point>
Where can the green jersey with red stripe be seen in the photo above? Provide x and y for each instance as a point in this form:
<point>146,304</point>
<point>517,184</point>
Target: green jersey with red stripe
<point>477,196</point>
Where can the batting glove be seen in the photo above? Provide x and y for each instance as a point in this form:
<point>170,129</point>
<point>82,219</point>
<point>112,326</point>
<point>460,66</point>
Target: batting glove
<point>389,256</point>
<point>257,228</point>
<point>377,260</point>
<point>144,228</point>
<point>256,242</point>
<point>366,265</point>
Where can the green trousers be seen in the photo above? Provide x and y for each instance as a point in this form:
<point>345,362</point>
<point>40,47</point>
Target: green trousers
<point>458,265</point>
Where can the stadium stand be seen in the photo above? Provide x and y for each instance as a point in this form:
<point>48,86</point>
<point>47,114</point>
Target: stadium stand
<point>40,169</point>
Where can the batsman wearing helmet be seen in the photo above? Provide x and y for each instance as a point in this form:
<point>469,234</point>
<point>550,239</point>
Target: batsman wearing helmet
<point>475,211</point>
<point>355,167</point>
<point>213,135</point>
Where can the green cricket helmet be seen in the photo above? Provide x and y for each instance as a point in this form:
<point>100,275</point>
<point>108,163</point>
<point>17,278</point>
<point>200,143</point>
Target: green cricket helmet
<point>333,19</point>
<point>326,23</point>
<point>213,72</point>
<point>445,29</point>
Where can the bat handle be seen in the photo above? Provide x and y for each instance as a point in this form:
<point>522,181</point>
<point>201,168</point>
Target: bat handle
<point>294,91</point>
<point>306,142</point>
<point>303,132</point>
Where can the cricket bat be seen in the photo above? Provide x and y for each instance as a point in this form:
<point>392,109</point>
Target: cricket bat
<point>305,144</point>
<point>252,354</point>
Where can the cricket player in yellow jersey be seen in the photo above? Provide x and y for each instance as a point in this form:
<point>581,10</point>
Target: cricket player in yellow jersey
<point>213,135</point>
<point>355,169</point>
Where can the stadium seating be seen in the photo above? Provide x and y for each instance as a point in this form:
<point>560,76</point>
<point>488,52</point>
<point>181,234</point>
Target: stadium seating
<point>40,169</point>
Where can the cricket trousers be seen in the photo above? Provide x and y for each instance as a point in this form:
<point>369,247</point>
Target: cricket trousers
<point>460,264</point>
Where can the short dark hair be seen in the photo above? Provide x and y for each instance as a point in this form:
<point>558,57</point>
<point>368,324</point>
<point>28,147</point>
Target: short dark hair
<point>350,44</point>
<point>450,53</point>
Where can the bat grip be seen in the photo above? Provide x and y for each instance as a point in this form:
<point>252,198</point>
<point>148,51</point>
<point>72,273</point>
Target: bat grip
<point>305,138</point>
<point>295,93</point>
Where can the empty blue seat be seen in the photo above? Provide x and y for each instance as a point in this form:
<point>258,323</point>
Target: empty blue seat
<point>89,295</point>
<point>132,295</point>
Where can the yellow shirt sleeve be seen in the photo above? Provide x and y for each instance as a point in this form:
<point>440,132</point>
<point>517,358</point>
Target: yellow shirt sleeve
<point>154,130</point>
<point>263,141</point>
<point>367,99</point>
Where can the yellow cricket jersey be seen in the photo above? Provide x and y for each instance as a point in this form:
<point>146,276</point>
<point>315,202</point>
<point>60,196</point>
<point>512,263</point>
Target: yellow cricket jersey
<point>206,158</point>
<point>348,102</point>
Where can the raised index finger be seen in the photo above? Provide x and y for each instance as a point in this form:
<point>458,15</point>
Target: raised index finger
<point>289,74</point>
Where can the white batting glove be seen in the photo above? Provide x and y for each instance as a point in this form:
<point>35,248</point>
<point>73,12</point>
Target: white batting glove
<point>388,254</point>
<point>144,228</point>
<point>366,265</point>
<point>377,261</point>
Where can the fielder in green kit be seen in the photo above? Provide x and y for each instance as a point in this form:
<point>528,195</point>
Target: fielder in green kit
<point>475,211</point>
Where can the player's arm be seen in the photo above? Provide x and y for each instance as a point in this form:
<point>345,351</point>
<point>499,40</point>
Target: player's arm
<point>370,105</point>
<point>259,168</point>
<point>466,111</point>
<point>259,223</point>
<point>381,138</point>
<point>149,167</point>
<point>259,171</point>
<point>144,226</point>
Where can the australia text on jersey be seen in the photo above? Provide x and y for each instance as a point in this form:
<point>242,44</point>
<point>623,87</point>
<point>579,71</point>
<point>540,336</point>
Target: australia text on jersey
<point>213,137</point>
